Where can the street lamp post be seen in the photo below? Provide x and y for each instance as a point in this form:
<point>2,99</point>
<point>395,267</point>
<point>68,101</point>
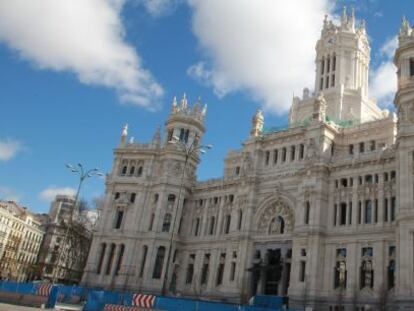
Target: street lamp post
<point>189,151</point>
<point>83,174</point>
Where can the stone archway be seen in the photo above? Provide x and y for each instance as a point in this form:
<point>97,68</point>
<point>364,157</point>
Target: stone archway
<point>276,218</point>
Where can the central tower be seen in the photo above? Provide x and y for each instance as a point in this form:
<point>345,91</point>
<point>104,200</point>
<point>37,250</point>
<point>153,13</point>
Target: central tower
<point>342,70</point>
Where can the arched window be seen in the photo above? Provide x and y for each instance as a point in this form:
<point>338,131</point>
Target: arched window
<point>151,223</point>
<point>101,258</point>
<point>159,263</point>
<point>110,259</point>
<point>120,257</point>
<point>166,223</point>
<point>143,260</point>
<point>139,172</point>
<point>124,170</point>
<point>212,223</point>
<point>239,224</point>
<point>197,227</point>
<point>227,222</point>
<point>132,170</point>
<point>323,65</point>
<point>119,215</point>
<point>307,212</point>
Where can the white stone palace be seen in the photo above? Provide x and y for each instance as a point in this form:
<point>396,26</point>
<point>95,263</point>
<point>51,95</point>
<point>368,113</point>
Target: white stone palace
<point>321,211</point>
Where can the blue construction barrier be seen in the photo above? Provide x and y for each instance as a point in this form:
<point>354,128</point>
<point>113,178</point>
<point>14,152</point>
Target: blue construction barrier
<point>95,300</point>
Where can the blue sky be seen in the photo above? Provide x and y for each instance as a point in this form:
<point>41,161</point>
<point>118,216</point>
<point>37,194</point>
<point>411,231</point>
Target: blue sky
<point>66,91</point>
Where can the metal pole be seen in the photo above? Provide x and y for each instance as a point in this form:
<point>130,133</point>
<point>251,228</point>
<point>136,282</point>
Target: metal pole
<point>165,281</point>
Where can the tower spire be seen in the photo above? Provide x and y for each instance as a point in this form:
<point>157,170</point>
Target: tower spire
<point>174,105</point>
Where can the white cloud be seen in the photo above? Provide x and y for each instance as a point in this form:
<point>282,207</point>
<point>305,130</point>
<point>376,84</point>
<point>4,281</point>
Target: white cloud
<point>266,48</point>
<point>384,78</point>
<point>8,194</point>
<point>86,38</point>
<point>49,194</point>
<point>159,7</point>
<point>9,148</point>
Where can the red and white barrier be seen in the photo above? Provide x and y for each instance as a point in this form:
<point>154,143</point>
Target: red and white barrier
<point>141,300</point>
<point>44,289</point>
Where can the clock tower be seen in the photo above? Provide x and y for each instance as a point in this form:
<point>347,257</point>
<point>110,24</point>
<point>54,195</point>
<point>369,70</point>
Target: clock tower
<point>342,67</point>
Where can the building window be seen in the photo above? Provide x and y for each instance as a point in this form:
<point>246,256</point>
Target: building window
<point>190,270</point>
<point>132,197</point>
<point>101,258</point>
<point>359,212</point>
<point>366,269</point>
<point>350,213</point>
<point>267,157</point>
<point>143,260</point>
<point>334,62</point>
<point>391,274</point>
<point>170,135</point>
<point>342,214</point>
<point>237,171</point>
<point>340,272</point>
<point>322,66</point>
<point>385,176</point>
<point>159,262</point>
<point>385,209</point>
<point>283,154</point>
<point>156,197</point>
<point>302,271</point>
<point>119,215</point>
<point>139,172</point>
<point>392,214</point>
<point>212,224</point>
<point>166,223</point>
<point>301,151</point>
<point>227,222</point>
<point>321,84</point>
<point>151,223</point>
<point>124,170</point>
<point>232,271</point>
<point>239,224</point>
<point>361,147</point>
<point>220,269</point>
<point>307,212</point>
<point>327,82</point>
<point>292,153</point>
<point>368,211</point>
<point>333,80</point>
<point>335,214</point>
<point>197,226</point>
<point>275,156</point>
<point>411,67</point>
<point>110,259</point>
<point>372,145</point>
<point>328,64</point>
<point>393,175</point>
<point>205,269</point>
<point>277,225</point>
<point>351,149</point>
<point>120,257</point>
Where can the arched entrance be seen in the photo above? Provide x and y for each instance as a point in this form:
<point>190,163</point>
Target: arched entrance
<point>270,270</point>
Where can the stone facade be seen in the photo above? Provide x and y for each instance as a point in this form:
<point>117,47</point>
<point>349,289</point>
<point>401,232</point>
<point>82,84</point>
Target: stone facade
<point>321,211</point>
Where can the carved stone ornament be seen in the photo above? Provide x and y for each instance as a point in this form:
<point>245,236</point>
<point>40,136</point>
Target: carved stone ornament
<point>270,219</point>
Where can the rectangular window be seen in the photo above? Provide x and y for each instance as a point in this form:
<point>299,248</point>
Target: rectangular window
<point>368,211</point>
<point>359,212</point>
<point>392,214</point>
<point>333,80</point>
<point>361,147</point>
<point>372,145</point>
<point>118,219</point>
<point>334,63</point>
<point>190,272</point>
<point>351,149</point>
<point>412,67</point>
<point>321,84</point>
<point>307,212</point>
<point>343,214</point>
<point>349,213</point>
<point>132,198</point>
<point>376,210</point>
<point>302,271</point>
<point>322,66</point>
<point>385,177</point>
<point>386,209</point>
<point>292,153</point>
<point>232,271</point>
<point>275,156</point>
<point>284,154</point>
<point>267,157</point>
<point>335,214</point>
<point>328,65</point>
<point>326,82</point>
<point>204,273</point>
<point>220,272</point>
<point>301,151</point>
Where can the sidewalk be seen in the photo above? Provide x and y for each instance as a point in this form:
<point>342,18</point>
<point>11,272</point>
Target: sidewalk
<point>7,307</point>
